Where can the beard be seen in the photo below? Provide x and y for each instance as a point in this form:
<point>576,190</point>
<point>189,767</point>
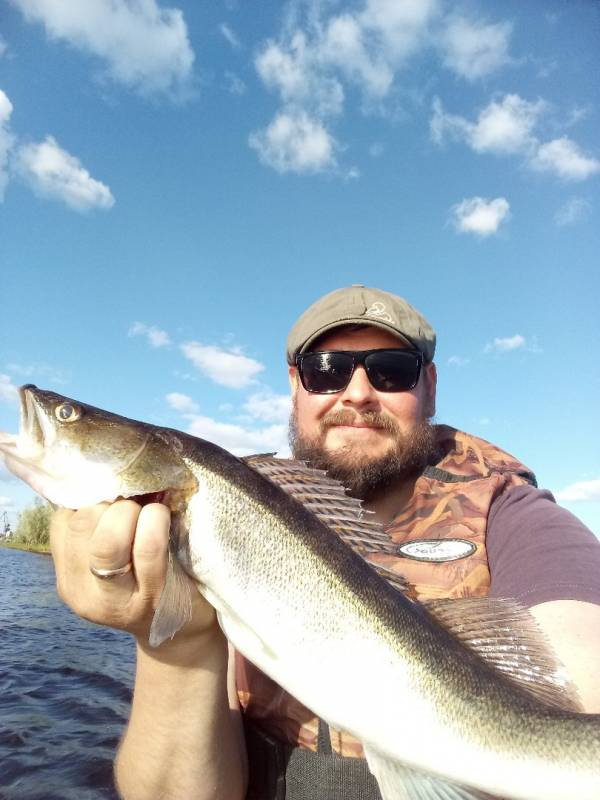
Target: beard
<point>365,477</point>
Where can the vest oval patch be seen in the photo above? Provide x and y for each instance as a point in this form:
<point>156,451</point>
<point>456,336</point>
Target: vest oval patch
<point>437,549</point>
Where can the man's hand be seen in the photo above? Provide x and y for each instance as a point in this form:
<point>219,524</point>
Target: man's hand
<point>183,739</point>
<point>108,536</point>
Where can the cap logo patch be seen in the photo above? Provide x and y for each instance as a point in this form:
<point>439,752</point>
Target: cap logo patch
<point>378,311</point>
<point>437,549</point>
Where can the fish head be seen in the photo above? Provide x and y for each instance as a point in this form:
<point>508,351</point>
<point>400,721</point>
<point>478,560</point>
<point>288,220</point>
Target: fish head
<point>75,455</point>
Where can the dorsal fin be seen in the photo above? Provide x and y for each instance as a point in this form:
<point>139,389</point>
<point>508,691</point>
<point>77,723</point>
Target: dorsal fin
<point>327,499</point>
<point>505,634</point>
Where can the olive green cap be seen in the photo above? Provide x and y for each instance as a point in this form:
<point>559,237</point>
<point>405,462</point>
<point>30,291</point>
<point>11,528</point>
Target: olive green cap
<point>358,304</point>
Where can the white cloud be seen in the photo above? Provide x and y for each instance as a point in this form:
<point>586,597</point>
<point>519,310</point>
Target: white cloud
<point>319,53</point>
<point>5,502</point>
<point>479,215</point>
<point>564,158</point>
<point>503,126</point>
<point>230,36</point>
<point>458,361</point>
<point>400,29</point>
<point>507,125</point>
<point>6,140</point>
<point>238,440</point>
<point>506,344</point>
<point>144,46</point>
<point>576,114</point>
<point>364,47</point>
<point>156,337</point>
<point>8,390</point>
<point>268,406</point>
<point>182,403</point>
<point>52,172</point>
<point>285,70</point>
<point>474,50</point>
<point>346,46</point>
<point>225,367</point>
<point>443,125</point>
<point>293,69</point>
<point>295,143</point>
<point>574,210</point>
<point>580,492</point>
<point>235,85</point>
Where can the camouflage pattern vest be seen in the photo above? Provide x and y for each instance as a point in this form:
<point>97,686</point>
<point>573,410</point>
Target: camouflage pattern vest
<point>451,501</point>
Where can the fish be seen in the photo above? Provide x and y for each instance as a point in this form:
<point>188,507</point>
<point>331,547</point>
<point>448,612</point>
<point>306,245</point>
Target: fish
<point>440,695</point>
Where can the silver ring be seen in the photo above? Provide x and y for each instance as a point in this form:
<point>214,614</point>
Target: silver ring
<point>108,574</point>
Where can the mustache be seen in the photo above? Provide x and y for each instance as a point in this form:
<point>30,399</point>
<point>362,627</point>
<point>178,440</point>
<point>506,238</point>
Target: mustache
<point>345,416</point>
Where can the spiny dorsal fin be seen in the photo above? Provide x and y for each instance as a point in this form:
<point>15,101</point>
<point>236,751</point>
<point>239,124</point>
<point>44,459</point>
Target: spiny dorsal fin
<point>327,499</point>
<point>504,634</point>
<point>399,582</point>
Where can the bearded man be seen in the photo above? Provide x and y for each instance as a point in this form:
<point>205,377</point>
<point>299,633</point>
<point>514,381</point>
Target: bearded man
<point>465,516</point>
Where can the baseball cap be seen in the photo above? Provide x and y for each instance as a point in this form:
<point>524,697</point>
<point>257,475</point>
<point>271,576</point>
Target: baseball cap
<point>358,304</point>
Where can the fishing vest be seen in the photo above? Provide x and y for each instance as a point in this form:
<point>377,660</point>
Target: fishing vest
<point>441,538</point>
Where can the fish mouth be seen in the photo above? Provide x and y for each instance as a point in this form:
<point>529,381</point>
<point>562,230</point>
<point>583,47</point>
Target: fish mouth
<point>32,427</point>
<point>31,432</point>
<point>22,451</point>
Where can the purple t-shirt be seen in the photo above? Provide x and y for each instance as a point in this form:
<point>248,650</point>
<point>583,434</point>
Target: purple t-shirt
<point>538,551</point>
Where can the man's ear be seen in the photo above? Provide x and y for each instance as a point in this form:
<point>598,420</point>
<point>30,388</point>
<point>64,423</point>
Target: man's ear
<point>294,381</point>
<point>430,376</point>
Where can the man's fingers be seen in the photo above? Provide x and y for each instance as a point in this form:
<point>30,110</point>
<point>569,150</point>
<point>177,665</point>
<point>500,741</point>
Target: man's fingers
<point>150,549</point>
<point>70,534</point>
<point>112,540</point>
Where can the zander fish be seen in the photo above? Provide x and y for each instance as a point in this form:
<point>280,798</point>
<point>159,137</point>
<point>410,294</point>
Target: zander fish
<point>282,555</point>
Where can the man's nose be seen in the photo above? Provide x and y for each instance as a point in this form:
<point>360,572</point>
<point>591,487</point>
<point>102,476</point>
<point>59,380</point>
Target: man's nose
<point>359,391</point>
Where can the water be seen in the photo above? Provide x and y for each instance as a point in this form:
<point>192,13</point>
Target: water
<point>65,690</point>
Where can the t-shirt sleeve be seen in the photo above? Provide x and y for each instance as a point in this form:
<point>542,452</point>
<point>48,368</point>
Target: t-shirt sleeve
<point>538,551</point>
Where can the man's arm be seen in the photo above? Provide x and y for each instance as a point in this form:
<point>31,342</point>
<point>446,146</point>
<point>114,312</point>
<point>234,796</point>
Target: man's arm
<point>573,630</point>
<point>543,556</point>
<point>184,738</point>
<point>182,741</point>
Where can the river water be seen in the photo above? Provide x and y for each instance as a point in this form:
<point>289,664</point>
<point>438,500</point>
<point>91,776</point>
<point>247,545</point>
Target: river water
<point>65,690</point>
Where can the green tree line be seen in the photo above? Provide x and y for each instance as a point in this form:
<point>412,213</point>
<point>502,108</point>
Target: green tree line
<point>33,526</point>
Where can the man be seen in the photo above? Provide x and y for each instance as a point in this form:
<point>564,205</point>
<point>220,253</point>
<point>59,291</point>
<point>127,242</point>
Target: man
<point>363,385</point>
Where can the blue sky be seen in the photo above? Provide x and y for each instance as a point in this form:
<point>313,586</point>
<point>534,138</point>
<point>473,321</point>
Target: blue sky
<point>179,181</point>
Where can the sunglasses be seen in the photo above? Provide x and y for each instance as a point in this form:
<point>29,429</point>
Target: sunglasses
<point>330,371</point>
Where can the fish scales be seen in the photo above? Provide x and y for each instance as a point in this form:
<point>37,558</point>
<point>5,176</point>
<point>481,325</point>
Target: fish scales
<point>334,590</point>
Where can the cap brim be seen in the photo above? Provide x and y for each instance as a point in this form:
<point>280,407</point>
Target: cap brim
<point>343,323</point>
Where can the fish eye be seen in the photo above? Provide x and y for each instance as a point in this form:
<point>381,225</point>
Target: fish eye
<point>67,412</point>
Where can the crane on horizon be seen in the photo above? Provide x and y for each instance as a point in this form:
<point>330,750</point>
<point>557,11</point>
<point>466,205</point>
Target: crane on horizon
<point>6,529</point>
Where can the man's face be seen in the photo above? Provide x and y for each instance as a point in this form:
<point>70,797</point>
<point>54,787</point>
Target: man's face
<point>360,435</point>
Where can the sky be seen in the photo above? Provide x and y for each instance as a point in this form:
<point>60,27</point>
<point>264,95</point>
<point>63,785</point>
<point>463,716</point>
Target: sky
<point>180,180</point>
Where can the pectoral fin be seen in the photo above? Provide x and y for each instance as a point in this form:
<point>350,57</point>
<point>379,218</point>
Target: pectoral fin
<point>175,604</point>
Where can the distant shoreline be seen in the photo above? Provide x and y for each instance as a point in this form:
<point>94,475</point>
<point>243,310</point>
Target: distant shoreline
<point>28,548</point>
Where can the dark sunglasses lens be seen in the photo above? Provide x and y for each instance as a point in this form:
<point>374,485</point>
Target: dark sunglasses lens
<point>326,372</point>
<point>393,371</point>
